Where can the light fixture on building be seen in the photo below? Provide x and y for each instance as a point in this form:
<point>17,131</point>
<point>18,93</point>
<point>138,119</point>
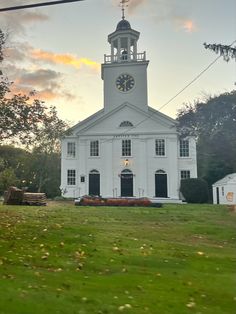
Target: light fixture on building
<point>126,162</point>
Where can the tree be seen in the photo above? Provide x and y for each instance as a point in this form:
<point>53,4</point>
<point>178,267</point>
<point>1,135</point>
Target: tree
<point>7,178</point>
<point>27,121</point>
<point>30,122</point>
<point>213,123</point>
<point>226,51</point>
<point>2,43</point>
<point>35,170</point>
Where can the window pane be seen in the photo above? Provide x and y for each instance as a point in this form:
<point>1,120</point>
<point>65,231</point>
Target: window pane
<point>71,149</point>
<point>71,176</point>
<point>160,147</point>
<point>185,174</point>
<point>184,148</point>
<point>126,147</point>
<point>94,148</point>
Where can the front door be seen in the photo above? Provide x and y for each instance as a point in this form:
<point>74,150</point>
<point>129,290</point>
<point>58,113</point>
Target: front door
<point>94,184</point>
<point>161,185</point>
<point>126,184</point>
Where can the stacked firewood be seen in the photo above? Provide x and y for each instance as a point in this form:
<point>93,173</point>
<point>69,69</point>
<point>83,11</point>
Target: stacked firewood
<point>34,199</point>
<point>15,196</point>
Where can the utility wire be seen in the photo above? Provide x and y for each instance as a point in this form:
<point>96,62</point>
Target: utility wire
<point>34,5</point>
<point>171,99</point>
<point>181,91</point>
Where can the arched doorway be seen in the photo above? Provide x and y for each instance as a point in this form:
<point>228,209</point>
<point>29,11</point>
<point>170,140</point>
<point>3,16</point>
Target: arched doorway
<point>161,184</point>
<point>94,182</point>
<point>126,183</point>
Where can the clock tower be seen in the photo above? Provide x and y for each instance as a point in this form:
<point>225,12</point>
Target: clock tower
<point>124,71</point>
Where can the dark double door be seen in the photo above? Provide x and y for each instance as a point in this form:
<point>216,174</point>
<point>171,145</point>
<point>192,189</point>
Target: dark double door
<point>94,184</point>
<point>161,185</point>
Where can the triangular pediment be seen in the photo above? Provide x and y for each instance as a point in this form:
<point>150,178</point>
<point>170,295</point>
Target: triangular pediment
<point>101,123</point>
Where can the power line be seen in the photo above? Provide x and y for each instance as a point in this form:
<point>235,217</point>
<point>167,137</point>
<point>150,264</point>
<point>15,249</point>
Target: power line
<point>180,92</point>
<point>171,99</point>
<point>34,5</point>
<point>195,79</point>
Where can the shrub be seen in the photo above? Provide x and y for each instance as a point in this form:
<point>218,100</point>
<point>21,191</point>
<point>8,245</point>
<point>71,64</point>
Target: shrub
<point>194,190</point>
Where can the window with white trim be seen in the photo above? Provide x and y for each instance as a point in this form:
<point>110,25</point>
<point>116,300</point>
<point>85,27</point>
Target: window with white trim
<point>71,177</point>
<point>185,174</point>
<point>184,148</point>
<point>126,147</point>
<point>160,147</point>
<point>94,148</point>
<point>71,149</point>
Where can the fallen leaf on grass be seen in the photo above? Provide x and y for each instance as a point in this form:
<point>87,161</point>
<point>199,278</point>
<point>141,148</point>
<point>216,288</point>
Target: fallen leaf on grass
<point>191,304</point>
<point>200,253</point>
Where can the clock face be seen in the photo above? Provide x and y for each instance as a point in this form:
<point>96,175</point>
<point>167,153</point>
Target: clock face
<point>125,82</point>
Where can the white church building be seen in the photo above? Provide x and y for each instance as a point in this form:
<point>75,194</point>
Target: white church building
<point>127,149</point>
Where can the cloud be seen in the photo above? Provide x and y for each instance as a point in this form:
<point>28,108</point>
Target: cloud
<point>66,59</point>
<point>162,11</point>
<point>17,52</point>
<point>20,52</point>
<point>47,84</point>
<point>189,26</point>
<point>173,12</point>
<point>42,78</point>
<point>134,4</point>
<point>17,22</point>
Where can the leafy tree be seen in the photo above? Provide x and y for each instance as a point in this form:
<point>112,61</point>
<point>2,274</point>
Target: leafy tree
<point>30,123</point>
<point>7,178</point>
<point>27,121</point>
<point>45,172</point>
<point>226,51</point>
<point>2,43</point>
<point>36,170</point>
<point>213,123</point>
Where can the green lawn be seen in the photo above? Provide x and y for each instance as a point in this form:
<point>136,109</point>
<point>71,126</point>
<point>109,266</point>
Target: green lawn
<point>86,260</point>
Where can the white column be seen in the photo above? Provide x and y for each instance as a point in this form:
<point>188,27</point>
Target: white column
<point>128,48</point>
<point>119,48</point>
<point>112,51</point>
<point>135,50</point>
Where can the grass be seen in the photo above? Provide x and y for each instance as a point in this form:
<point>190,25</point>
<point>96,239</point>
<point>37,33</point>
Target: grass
<point>86,260</point>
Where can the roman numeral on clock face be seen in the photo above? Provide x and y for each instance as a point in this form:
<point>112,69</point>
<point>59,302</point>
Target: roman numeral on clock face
<point>125,82</point>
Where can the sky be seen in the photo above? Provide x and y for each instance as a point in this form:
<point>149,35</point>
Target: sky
<point>57,51</point>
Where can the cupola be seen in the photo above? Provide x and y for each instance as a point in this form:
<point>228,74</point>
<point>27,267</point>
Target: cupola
<point>123,43</point>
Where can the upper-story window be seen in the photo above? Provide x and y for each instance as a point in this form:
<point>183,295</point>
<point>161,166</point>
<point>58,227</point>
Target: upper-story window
<point>71,149</point>
<point>71,177</point>
<point>94,148</point>
<point>184,148</point>
<point>126,124</point>
<point>185,174</point>
<point>126,147</point>
<point>160,147</point>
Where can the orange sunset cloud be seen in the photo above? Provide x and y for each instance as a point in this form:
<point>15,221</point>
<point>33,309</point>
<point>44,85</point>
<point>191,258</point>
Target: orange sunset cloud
<point>189,26</point>
<point>66,59</point>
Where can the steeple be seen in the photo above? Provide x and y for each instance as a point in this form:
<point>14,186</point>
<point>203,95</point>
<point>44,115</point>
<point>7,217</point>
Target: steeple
<point>123,42</point>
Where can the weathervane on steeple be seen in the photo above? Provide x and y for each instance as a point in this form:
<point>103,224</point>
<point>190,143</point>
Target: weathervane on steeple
<point>124,4</point>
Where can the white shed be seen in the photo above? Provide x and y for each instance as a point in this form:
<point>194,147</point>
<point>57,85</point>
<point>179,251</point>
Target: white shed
<point>224,190</point>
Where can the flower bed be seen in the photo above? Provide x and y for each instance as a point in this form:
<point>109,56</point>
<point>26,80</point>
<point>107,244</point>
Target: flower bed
<point>99,201</point>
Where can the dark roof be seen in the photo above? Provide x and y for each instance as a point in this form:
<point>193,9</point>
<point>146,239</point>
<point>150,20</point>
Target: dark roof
<point>123,25</point>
